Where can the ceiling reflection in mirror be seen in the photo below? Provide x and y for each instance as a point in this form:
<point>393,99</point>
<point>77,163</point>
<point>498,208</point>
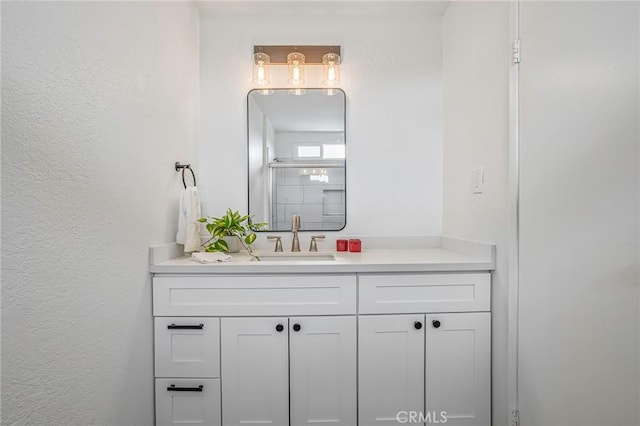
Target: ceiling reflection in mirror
<point>297,158</point>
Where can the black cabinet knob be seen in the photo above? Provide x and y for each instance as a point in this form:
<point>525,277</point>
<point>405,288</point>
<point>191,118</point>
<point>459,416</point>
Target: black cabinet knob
<point>279,328</point>
<point>296,327</point>
<point>417,325</point>
<point>436,324</point>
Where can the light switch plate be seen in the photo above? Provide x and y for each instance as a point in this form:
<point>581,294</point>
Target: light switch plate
<point>478,180</point>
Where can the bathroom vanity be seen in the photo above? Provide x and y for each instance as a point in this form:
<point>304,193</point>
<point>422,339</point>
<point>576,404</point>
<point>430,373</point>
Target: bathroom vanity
<point>365,339</point>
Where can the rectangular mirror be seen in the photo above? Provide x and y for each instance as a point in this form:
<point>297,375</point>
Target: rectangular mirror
<point>297,158</point>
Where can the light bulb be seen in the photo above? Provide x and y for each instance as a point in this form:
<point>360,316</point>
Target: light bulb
<point>296,61</point>
<point>331,65</point>
<point>296,73</point>
<point>261,69</point>
<point>331,75</point>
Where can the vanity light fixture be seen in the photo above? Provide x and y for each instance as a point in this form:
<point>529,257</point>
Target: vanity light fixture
<point>295,61</point>
<point>331,73</point>
<point>261,69</point>
<point>331,69</point>
<point>297,58</point>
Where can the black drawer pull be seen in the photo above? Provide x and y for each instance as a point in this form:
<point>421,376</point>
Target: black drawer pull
<point>185,327</point>
<point>279,328</point>
<point>417,325</point>
<point>436,324</point>
<point>175,389</point>
<point>296,327</point>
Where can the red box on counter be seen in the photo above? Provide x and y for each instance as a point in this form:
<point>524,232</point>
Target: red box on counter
<point>355,245</point>
<point>342,245</point>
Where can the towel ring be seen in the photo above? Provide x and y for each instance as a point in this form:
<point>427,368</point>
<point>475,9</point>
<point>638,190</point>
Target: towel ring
<point>185,167</point>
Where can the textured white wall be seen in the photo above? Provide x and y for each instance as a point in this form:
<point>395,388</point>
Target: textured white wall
<point>476,58</point>
<point>391,74</point>
<point>98,101</point>
<point>580,185</point>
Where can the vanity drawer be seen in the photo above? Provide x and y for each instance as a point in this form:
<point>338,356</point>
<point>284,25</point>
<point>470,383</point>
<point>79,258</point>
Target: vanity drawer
<point>256,295</point>
<point>184,401</point>
<point>187,347</point>
<point>410,293</point>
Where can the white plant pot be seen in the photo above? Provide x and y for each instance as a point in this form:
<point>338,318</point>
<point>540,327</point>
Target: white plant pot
<point>233,243</point>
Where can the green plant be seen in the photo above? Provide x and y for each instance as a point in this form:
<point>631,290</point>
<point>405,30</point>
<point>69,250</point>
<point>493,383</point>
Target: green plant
<point>232,224</point>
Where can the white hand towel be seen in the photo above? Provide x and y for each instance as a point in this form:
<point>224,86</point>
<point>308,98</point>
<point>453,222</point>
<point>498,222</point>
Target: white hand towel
<point>213,257</point>
<point>188,215</point>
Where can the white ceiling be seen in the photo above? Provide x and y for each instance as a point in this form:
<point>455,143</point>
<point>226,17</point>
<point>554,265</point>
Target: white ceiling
<point>320,8</point>
<point>312,111</point>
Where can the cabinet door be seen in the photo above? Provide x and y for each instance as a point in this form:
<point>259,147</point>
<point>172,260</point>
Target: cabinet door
<point>391,368</point>
<point>322,360</point>
<point>188,402</point>
<point>255,371</point>
<point>458,367</point>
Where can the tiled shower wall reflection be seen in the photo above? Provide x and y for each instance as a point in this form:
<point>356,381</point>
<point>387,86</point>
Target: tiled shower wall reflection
<point>321,205</point>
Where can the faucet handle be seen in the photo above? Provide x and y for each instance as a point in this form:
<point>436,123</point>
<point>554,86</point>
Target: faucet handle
<point>278,239</point>
<point>314,244</point>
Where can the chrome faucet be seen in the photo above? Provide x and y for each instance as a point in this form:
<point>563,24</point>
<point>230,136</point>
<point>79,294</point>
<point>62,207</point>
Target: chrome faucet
<point>278,241</point>
<point>295,227</point>
<point>314,245</point>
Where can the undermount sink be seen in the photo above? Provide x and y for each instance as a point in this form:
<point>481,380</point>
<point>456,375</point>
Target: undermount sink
<point>297,257</point>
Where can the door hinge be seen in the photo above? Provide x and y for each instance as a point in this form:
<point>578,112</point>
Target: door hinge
<point>515,418</point>
<point>516,51</point>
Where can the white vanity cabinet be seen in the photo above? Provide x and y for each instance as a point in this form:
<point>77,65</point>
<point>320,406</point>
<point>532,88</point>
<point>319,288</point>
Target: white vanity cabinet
<point>323,370</point>
<point>187,370</point>
<point>255,367</point>
<point>391,367</point>
<point>281,348</point>
<point>458,367</point>
<point>431,358</point>
<point>342,349</point>
<point>188,401</point>
<point>299,369</point>
<point>187,347</point>
<point>430,364</point>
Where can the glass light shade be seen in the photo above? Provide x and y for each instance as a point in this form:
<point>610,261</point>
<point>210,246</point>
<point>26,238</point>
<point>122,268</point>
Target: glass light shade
<point>295,61</point>
<point>297,91</point>
<point>331,69</point>
<point>261,63</point>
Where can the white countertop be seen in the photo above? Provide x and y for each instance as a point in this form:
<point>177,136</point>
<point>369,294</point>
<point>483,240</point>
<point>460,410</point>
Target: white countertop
<point>370,260</point>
